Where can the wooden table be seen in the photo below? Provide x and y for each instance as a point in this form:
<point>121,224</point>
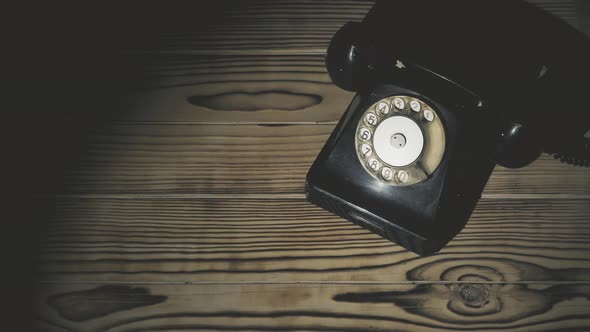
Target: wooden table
<point>181,204</point>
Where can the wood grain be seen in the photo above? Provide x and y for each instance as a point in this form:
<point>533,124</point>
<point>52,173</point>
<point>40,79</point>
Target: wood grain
<point>250,159</point>
<point>74,306</point>
<point>252,26</point>
<point>183,208</point>
<point>220,89</point>
<point>278,240</point>
<point>456,306</point>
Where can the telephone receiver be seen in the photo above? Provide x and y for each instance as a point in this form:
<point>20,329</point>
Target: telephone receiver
<point>445,91</point>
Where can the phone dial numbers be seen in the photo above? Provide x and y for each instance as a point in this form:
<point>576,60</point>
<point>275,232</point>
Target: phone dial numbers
<point>410,151</point>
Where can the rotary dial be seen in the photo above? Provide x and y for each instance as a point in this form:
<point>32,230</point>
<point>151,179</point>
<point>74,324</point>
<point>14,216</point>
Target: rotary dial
<point>400,140</point>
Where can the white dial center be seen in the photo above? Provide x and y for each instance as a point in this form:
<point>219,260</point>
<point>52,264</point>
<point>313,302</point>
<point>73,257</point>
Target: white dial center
<point>398,141</point>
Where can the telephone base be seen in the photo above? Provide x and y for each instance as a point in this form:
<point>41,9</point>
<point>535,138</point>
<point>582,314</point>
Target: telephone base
<point>371,222</point>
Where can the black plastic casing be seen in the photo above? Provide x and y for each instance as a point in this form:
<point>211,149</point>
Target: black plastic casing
<point>422,217</point>
<point>530,66</point>
<point>488,67</point>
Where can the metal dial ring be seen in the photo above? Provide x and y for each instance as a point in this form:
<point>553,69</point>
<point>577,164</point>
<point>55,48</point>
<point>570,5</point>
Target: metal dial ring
<point>400,140</point>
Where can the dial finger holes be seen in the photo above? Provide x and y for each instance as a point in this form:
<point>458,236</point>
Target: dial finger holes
<point>364,134</point>
<point>374,164</point>
<point>387,173</point>
<point>400,140</point>
<point>366,150</point>
<point>383,108</point>
<point>370,119</point>
<point>399,103</point>
<point>429,115</point>
<point>402,176</point>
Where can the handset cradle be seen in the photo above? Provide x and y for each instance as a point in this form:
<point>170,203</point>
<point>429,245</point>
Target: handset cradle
<point>443,95</point>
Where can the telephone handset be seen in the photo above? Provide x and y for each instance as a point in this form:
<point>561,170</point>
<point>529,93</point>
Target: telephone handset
<point>445,91</point>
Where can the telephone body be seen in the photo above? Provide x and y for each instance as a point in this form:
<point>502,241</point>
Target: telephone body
<point>445,91</point>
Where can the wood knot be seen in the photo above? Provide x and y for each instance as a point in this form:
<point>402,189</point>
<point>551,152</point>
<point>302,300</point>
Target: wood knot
<point>88,304</point>
<point>474,295</point>
<point>257,101</point>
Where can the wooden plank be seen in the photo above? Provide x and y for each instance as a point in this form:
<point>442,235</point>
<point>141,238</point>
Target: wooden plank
<point>225,26</point>
<point>230,26</point>
<point>222,89</point>
<point>470,306</point>
<point>244,89</point>
<point>287,240</point>
<point>249,159</point>
<point>278,264</point>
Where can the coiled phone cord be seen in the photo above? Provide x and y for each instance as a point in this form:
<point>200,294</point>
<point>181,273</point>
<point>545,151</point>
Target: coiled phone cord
<point>577,154</point>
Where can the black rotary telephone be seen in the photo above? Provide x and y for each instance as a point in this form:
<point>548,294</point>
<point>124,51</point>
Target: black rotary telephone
<point>445,91</point>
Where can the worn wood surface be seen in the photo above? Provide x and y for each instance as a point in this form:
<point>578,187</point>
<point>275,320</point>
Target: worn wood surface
<point>181,89</point>
<point>181,204</point>
<point>283,240</point>
<point>348,307</point>
<point>251,26</point>
<point>249,159</point>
